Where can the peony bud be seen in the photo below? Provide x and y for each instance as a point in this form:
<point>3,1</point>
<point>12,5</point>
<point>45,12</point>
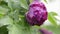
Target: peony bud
<point>37,13</point>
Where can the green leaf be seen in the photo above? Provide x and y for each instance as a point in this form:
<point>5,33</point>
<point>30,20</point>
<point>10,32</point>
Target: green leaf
<point>17,29</point>
<point>35,30</point>
<point>31,1</point>
<point>22,27</point>
<point>14,15</point>
<point>23,4</point>
<point>54,14</point>
<point>55,30</point>
<point>51,18</point>
<point>1,15</point>
<point>22,11</point>
<point>17,4</point>
<point>14,29</point>
<point>3,30</point>
<point>3,10</point>
<point>45,1</point>
<point>28,2</point>
<point>5,21</point>
<point>3,3</point>
<point>12,4</point>
<point>5,0</point>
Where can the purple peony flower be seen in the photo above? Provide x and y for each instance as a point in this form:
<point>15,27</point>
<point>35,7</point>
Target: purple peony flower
<point>44,31</point>
<point>37,13</point>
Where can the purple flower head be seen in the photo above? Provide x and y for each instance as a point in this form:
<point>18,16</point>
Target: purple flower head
<point>37,13</point>
<point>44,31</point>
